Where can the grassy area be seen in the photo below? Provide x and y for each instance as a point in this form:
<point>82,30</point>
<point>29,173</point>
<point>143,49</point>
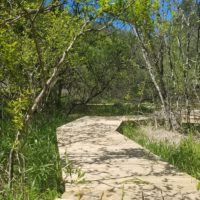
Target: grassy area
<point>191,128</point>
<point>185,156</point>
<point>40,153</point>
<point>43,172</point>
<point>114,109</point>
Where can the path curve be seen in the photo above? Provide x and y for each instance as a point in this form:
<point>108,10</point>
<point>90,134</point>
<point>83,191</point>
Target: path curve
<point>116,167</point>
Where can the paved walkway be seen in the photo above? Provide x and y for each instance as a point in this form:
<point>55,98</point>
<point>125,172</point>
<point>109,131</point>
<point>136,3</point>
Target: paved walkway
<point>115,167</point>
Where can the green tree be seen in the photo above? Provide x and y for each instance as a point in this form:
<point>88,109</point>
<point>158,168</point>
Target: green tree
<point>37,40</point>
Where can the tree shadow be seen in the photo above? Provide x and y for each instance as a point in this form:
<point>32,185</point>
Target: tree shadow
<point>90,147</point>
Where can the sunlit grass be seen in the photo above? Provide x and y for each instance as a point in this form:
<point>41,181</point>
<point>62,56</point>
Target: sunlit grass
<point>40,152</point>
<point>185,156</point>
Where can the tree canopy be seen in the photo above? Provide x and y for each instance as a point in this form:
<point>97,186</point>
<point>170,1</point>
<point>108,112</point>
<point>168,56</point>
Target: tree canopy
<point>67,53</point>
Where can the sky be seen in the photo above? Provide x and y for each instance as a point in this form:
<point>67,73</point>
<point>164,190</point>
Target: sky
<point>165,12</point>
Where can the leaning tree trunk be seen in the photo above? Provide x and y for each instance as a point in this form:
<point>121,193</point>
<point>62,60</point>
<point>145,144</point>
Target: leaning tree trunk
<point>166,112</point>
<point>35,106</point>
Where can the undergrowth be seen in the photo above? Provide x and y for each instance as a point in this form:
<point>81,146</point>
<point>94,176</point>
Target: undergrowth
<point>40,152</point>
<point>185,156</point>
<point>114,109</point>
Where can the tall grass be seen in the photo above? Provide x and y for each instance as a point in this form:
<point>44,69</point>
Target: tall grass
<point>40,153</point>
<point>185,156</point>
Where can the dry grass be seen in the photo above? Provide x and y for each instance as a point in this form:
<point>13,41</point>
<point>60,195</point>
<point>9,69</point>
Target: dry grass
<point>162,135</point>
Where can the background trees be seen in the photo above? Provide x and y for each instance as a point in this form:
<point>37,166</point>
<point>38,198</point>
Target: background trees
<point>37,41</point>
<point>168,34</point>
<point>66,53</point>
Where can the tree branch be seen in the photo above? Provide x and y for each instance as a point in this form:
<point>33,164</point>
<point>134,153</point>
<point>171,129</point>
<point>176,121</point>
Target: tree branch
<point>30,12</point>
<point>51,81</point>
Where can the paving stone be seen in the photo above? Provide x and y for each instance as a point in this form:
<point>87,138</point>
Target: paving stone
<point>116,167</point>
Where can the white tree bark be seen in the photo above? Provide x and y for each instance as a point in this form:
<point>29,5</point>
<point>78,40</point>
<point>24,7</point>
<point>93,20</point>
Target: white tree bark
<point>165,110</point>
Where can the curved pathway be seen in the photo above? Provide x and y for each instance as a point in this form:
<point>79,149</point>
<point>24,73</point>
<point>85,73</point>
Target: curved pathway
<point>115,167</point>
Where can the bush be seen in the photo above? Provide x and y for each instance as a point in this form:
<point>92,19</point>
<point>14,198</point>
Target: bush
<point>40,153</point>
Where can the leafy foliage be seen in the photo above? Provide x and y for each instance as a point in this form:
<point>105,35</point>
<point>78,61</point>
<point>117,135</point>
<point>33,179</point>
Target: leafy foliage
<point>43,172</point>
<point>63,54</point>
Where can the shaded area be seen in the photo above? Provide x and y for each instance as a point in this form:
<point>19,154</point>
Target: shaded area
<point>116,166</point>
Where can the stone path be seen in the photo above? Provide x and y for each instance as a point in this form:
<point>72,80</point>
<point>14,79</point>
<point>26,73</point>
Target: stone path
<point>115,167</point>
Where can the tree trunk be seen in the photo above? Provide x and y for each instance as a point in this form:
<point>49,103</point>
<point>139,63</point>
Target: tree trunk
<point>164,104</point>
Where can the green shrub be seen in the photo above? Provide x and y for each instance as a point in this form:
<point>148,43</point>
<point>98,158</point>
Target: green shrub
<point>40,153</point>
